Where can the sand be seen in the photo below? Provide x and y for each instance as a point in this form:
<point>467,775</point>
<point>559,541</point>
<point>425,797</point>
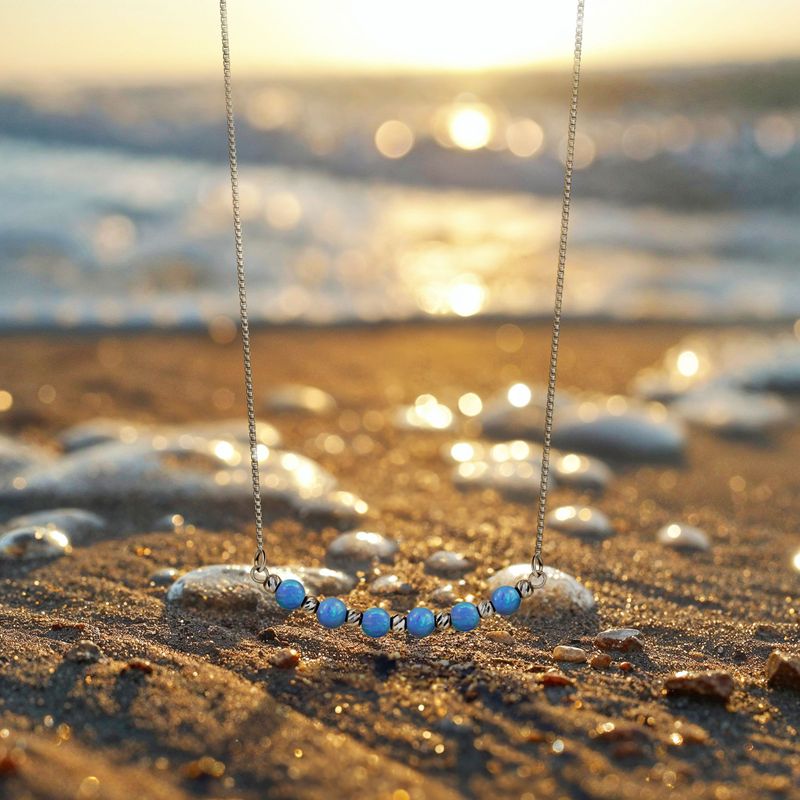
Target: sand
<point>176,703</point>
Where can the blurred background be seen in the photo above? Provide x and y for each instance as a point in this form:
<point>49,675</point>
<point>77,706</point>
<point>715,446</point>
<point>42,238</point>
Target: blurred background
<point>397,161</point>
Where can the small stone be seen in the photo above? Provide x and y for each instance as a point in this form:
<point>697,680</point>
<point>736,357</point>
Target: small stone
<point>683,537</point>
<point>285,658</point>
<point>573,655</point>
<point>501,637</point>
<point>713,684</point>
<point>600,661</point>
<point>300,399</point>
<point>360,549</point>
<point>270,635</point>
<point>447,563</point>
<point>203,768</point>
<point>623,639</point>
<point>554,678</point>
<point>79,525</point>
<point>582,521</point>
<point>139,665</point>
<point>581,472</point>
<point>445,595</point>
<point>164,577</point>
<point>84,652</point>
<point>783,670</point>
<point>626,666</point>
<point>33,542</point>
<point>390,584</point>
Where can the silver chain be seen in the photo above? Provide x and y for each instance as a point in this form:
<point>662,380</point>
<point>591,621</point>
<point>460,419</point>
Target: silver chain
<point>537,565</point>
<point>260,572</point>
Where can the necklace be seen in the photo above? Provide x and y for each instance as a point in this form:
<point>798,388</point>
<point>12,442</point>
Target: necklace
<point>331,611</point>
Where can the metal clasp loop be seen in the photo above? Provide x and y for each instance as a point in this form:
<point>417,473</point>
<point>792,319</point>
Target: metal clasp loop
<point>259,572</point>
<point>538,576</point>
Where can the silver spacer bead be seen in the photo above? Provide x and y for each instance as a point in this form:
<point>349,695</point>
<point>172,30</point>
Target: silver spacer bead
<point>524,588</point>
<point>273,582</point>
<point>309,604</point>
<point>442,620</point>
<point>485,608</point>
<point>353,617</point>
<point>399,623</point>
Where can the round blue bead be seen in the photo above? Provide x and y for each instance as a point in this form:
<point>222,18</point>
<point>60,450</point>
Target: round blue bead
<point>290,594</point>
<point>332,612</point>
<point>421,622</point>
<point>505,600</point>
<point>464,617</point>
<point>375,622</point>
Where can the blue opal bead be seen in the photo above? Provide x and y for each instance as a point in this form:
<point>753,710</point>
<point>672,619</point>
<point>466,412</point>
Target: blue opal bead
<point>421,622</point>
<point>505,600</point>
<point>332,612</point>
<point>375,622</point>
<point>464,617</point>
<point>290,594</point>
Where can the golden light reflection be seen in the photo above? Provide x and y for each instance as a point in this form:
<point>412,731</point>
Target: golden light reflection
<point>462,451</point>
<point>524,137</point>
<point>520,395</point>
<point>470,404</point>
<point>465,296</point>
<point>470,127</point>
<point>796,560</point>
<point>688,363</point>
<point>394,139</point>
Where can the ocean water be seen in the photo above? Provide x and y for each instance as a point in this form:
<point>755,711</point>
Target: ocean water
<point>379,200</point>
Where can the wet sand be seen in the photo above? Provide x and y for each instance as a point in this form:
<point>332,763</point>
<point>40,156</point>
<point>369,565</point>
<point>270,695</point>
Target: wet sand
<point>179,703</point>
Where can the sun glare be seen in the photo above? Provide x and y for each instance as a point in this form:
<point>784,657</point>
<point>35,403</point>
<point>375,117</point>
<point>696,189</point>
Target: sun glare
<point>470,127</point>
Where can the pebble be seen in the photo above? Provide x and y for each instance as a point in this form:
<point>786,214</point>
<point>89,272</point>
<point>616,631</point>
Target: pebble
<point>573,655</point>
<point>712,684</point>
<point>338,504</point>
<point>16,457</point>
<point>581,472</point>
<point>78,524</point>
<point>317,580</point>
<point>229,587</point>
<point>390,584</point>
<point>518,412</point>
<point>561,593</point>
<point>733,412</point>
<point>301,399</point>
<point>103,430</point>
<point>580,521</point>
<point>181,468</point>
<point>285,658</point>
<point>359,549</point>
<point>600,661</point>
<point>680,536</point>
<point>621,429</point>
<point>84,652</point>
<point>554,678</point>
<point>448,563</point>
<point>501,637</point>
<point>99,431</point>
<point>164,577</point>
<point>32,542</point>
<point>445,595</point>
<point>624,640</point>
<point>783,670</point>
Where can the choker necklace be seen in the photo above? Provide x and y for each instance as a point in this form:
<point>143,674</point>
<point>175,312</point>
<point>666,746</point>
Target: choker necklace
<point>331,611</point>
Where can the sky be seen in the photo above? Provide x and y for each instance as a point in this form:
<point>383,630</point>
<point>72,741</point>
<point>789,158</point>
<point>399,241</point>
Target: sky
<point>102,41</point>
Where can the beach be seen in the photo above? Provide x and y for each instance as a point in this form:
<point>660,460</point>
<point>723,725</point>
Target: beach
<point>110,691</point>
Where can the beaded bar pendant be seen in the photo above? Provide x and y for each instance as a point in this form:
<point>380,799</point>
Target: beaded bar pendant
<point>377,622</point>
